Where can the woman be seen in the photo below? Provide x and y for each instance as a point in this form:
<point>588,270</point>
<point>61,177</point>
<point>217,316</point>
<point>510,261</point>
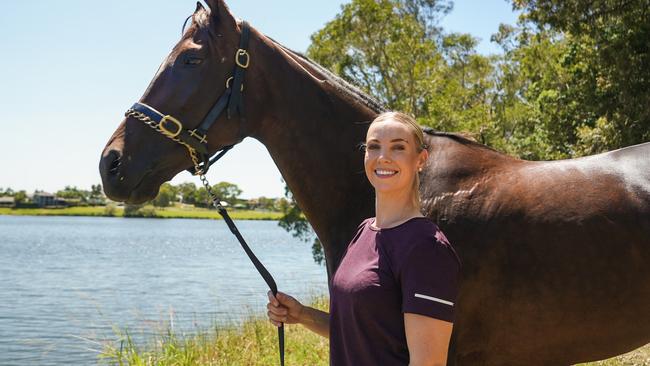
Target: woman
<point>393,295</point>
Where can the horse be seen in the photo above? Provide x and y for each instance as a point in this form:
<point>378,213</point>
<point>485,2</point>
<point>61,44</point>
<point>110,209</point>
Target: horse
<point>555,254</point>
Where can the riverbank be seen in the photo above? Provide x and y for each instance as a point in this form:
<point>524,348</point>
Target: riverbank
<point>157,212</point>
<point>254,342</point>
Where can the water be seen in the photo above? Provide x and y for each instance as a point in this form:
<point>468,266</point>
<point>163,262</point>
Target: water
<point>65,282</point>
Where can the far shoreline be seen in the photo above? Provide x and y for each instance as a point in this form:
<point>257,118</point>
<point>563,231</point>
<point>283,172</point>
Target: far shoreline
<point>149,212</point>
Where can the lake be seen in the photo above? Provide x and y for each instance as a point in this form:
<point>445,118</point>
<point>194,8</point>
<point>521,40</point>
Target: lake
<point>65,282</point>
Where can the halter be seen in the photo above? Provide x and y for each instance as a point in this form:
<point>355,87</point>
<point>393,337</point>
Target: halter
<point>196,142</point>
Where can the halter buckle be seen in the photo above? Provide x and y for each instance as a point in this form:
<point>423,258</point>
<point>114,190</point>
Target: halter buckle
<point>241,88</point>
<point>242,52</point>
<point>175,122</point>
<point>202,138</point>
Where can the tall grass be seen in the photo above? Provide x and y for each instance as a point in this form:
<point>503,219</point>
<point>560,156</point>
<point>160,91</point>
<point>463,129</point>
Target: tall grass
<point>254,342</point>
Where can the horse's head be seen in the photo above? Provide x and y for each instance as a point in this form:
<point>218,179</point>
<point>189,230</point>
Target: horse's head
<point>147,148</point>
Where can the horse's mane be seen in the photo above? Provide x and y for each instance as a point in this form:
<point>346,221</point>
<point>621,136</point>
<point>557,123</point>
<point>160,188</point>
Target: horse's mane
<point>461,138</point>
<point>338,82</point>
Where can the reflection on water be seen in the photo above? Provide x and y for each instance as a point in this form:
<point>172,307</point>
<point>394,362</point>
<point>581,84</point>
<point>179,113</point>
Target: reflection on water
<point>66,281</point>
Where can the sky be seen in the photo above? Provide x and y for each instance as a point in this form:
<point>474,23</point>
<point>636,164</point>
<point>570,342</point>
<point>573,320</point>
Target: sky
<point>70,68</point>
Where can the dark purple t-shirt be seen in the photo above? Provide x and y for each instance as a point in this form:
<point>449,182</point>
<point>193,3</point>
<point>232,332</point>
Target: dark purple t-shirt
<point>384,273</point>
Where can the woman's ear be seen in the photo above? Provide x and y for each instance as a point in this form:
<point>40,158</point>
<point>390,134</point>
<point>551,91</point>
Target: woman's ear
<point>422,159</point>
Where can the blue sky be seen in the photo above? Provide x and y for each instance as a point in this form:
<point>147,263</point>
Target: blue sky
<point>70,68</point>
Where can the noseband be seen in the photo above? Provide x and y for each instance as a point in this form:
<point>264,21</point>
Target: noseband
<point>196,142</point>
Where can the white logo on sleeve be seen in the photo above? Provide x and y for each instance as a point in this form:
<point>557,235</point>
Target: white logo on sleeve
<point>434,299</point>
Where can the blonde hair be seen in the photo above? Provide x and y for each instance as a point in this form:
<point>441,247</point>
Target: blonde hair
<point>415,128</point>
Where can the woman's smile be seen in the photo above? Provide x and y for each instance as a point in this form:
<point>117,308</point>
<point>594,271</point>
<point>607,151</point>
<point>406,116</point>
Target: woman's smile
<point>385,173</point>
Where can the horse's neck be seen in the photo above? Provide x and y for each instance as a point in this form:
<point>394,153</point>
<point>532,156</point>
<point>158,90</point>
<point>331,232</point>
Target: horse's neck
<point>311,131</point>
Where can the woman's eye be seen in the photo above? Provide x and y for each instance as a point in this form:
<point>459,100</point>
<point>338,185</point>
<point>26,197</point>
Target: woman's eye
<point>372,147</point>
<point>398,147</point>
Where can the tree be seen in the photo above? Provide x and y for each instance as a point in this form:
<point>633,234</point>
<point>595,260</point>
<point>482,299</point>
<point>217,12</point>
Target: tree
<point>387,47</point>
<point>201,198</point>
<point>166,195</point>
<point>266,203</point>
<point>20,197</point>
<point>96,191</point>
<point>607,58</point>
<point>187,192</point>
<point>532,115</point>
<point>228,192</point>
<point>72,192</point>
<point>295,223</point>
<point>461,94</point>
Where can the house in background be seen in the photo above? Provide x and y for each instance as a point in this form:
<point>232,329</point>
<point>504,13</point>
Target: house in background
<point>43,199</point>
<point>7,202</point>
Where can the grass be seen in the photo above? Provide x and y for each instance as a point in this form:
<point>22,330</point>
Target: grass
<point>254,342</point>
<point>201,213</point>
<point>68,211</point>
<point>167,212</point>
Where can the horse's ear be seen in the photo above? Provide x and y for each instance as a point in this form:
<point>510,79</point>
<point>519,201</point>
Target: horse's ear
<point>219,10</point>
<point>199,7</point>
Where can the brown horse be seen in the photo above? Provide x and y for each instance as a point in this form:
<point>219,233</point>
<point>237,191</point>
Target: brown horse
<point>556,254</point>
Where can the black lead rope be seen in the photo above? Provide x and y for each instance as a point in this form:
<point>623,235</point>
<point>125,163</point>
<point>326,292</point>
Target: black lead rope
<point>260,268</point>
<point>231,101</point>
<point>195,141</point>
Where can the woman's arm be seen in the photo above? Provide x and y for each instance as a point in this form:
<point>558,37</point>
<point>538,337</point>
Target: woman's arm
<point>427,339</point>
<point>316,320</point>
<point>283,308</point>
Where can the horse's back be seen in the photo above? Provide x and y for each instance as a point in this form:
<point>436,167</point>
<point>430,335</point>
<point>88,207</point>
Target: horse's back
<point>618,180</point>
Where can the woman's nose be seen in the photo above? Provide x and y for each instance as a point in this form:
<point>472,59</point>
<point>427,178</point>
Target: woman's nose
<point>384,156</point>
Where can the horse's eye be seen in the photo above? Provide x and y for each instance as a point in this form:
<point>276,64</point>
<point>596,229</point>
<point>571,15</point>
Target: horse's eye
<point>193,61</point>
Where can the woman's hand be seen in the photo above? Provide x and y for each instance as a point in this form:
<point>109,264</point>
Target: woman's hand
<point>283,308</point>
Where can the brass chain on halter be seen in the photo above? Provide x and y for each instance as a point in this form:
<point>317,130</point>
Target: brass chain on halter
<point>216,202</point>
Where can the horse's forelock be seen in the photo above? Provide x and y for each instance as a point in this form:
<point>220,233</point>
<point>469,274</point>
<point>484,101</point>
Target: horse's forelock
<point>200,18</point>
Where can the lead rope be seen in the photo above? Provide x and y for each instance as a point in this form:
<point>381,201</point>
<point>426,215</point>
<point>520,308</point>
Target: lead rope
<point>233,229</point>
<point>200,171</point>
<point>196,143</point>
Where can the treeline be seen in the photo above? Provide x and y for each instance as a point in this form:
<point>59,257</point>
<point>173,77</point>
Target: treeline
<point>188,193</point>
<point>169,195</point>
<point>70,195</point>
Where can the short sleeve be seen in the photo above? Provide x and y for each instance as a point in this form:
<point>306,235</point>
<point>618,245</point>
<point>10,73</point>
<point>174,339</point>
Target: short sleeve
<point>429,280</point>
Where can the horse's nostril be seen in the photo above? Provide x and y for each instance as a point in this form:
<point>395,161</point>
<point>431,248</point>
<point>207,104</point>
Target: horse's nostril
<point>114,167</point>
<point>115,162</point>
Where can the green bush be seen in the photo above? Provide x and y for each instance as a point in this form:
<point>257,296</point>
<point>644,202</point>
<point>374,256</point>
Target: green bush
<point>139,211</point>
<point>110,210</point>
